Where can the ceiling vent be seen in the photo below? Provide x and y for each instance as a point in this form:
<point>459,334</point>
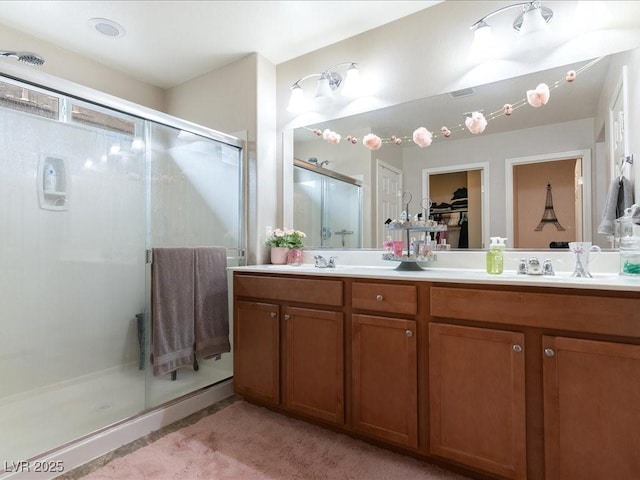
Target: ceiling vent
<point>465,92</point>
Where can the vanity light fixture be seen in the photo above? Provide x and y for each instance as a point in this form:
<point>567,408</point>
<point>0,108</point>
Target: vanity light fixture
<point>328,81</point>
<point>533,18</point>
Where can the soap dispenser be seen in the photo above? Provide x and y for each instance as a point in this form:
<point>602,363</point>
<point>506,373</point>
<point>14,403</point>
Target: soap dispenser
<point>495,255</point>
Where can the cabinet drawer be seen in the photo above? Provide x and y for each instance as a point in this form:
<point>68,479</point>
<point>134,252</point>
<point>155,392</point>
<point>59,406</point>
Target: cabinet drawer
<point>384,297</point>
<point>475,304</point>
<point>592,313</point>
<point>303,290</point>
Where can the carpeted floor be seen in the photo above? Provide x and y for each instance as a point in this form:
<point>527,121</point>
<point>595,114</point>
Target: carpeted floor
<point>243,441</point>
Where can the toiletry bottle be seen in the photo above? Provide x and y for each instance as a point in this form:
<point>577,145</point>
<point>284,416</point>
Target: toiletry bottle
<point>387,245</point>
<point>495,255</point>
<point>49,179</point>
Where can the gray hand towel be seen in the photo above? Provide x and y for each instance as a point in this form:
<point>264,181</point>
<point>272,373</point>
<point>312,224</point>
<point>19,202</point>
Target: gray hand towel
<point>172,307</point>
<point>620,197</point>
<point>211,302</point>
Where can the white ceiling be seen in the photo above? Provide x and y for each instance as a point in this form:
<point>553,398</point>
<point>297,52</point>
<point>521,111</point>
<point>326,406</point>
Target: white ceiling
<point>169,42</point>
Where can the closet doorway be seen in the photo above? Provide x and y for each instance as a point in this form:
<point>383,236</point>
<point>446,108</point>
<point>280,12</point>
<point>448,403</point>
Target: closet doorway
<point>458,199</point>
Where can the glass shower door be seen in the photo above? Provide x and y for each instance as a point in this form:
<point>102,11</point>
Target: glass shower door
<point>72,279</point>
<point>341,214</point>
<point>195,200</point>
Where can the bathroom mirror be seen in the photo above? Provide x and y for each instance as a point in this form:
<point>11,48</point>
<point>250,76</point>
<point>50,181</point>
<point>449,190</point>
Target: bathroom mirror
<point>573,120</point>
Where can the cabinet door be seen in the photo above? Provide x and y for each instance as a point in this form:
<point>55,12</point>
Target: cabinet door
<point>384,378</point>
<point>256,372</point>
<point>592,409</point>
<point>477,398</point>
<point>315,363</point>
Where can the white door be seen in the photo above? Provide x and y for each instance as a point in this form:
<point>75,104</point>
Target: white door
<point>388,195</point>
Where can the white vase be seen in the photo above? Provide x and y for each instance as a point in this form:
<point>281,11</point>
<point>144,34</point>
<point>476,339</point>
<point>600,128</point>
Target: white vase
<point>279,255</point>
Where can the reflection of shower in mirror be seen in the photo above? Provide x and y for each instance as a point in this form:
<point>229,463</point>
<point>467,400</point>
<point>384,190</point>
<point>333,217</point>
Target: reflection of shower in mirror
<point>328,207</point>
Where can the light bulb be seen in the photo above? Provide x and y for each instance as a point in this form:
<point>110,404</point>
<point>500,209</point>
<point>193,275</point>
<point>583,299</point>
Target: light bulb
<point>484,44</point>
<point>296,101</point>
<point>532,22</point>
<point>352,85</point>
<point>324,89</point>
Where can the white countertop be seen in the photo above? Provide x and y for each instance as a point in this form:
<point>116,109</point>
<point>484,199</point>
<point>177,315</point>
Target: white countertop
<point>605,277</point>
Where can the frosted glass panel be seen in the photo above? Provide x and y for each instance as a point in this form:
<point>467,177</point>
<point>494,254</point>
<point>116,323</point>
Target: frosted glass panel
<point>71,283</point>
<point>195,190</point>
<point>307,203</point>
<point>341,214</point>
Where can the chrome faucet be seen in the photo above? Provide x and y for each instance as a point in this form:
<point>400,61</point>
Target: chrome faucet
<point>322,262</point>
<point>534,267</point>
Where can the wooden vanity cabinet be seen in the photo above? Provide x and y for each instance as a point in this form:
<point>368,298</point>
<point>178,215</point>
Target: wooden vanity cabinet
<point>582,369</point>
<point>477,398</point>
<point>256,364</point>
<point>591,409</point>
<point>384,362</point>
<point>289,343</point>
<point>507,382</point>
<point>314,363</point>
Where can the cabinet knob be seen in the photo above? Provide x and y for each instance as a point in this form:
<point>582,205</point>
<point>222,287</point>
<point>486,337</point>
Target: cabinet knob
<point>379,298</point>
<point>408,333</point>
<point>517,348</point>
<point>287,317</point>
<point>549,352</point>
<point>273,314</point>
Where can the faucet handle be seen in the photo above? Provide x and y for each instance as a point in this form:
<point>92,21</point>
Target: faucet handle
<point>522,267</point>
<point>332,261</point>
<point>547,268</point>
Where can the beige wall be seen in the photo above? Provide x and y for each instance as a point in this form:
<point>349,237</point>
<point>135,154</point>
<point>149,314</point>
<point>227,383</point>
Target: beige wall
<point>239,99</point>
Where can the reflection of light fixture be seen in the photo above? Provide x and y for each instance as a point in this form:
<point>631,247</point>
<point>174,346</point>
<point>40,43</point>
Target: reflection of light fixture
<point>533,18</point>
<point>328,82</point>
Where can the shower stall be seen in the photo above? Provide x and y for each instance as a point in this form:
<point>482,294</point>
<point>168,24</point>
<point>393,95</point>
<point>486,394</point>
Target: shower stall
<point>89,186</point>
<point>327,206</point>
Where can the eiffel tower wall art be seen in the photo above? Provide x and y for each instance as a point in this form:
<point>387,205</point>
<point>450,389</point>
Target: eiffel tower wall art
<point>546,203</point>
<point>549,215</point>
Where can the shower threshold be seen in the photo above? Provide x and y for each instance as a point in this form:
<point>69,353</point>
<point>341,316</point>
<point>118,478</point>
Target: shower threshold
<point>45,419</point>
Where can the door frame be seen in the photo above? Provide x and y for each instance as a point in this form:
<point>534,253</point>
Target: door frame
<point>585,155</point>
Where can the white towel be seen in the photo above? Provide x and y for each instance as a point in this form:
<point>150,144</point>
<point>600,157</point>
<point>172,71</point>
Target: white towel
<point>620,197</point>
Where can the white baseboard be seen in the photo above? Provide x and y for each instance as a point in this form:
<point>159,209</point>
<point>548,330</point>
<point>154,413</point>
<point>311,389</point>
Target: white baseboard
<point>94,446</point>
